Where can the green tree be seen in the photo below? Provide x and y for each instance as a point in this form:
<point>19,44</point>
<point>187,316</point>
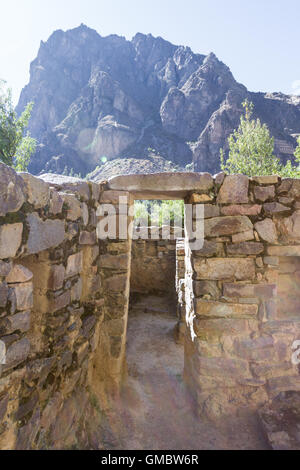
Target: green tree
<point>16,145</point>
<point>297,151</point>
<point>251,148</point>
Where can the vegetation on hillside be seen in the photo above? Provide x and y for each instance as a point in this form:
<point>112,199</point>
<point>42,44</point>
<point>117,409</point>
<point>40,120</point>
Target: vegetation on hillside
<point>16,145</point>
<point>251,150</point>
<point>158,213</point>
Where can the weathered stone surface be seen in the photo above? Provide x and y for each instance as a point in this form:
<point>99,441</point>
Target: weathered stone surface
<point>212,309</point>
<point>290,186</point>
<point>74,265</point>
<point>219,178</point>
<point>272,179</point>
<point>5,268</point>
<point>225,268</point>
<point>245,248</point>
<point>56,202</point>
<point>280,420</point>
<point>283,250</point>
<point>87,238</point>
<point>277,385</point>
<point>242,209</point>
<point>24,295</point>
<point>16,353</point>
<point>19,274</point>
<point>113,197</point>
<point>10,240</point>
<point>289,227</point>
<point>59,302</point>
<point>200,198</point>
<point>243,237</point>
<point>275,208</point>
<point>114,261</point>
<point>76,291</point>
<point>263,193</point>
<point>260,349</point>
<point>85,213</point>
<point>56,277</point>
<point>286,200</point>
<point>3,294</point>
<point>13,323</point>
<point>174,182</point>
<point>44,234</point>
<point>38,191</point>
<point>226,225</point>
<point>266,230</point>
<point>271,260</point>
<point>211,210</point>
<point>12,190</point>
<point>73,204</point>
<point>68,183</point>
<point>234,190</point>
<point>223,367</point>
<point>116,283</point>
<point>210,248</point>
<point>264,291</point>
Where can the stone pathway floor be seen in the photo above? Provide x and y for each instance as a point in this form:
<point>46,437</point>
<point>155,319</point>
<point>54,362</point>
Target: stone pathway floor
<point>155,412</point>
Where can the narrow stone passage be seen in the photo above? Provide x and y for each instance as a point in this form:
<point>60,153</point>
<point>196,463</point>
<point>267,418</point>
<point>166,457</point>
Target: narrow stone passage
<point>155,412</point>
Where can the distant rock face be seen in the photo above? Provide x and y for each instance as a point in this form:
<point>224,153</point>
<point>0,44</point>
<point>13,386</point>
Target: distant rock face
<point>108,97</point>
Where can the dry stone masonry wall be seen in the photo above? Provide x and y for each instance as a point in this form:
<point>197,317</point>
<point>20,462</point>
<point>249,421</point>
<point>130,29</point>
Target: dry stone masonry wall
<point>64,297</point>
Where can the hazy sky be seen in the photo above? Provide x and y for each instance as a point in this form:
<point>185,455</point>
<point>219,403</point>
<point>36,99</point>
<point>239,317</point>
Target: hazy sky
<point>258,39</point>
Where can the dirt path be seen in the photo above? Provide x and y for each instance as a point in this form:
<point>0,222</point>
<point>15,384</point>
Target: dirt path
<point>155,412</point>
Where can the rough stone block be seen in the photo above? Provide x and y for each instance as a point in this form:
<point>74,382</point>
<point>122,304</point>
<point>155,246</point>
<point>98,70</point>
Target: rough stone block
<point>10,239</point>
<point>120,262</point>
<point>242,209</point>
<point>24,295</point>
<point>12,190</point>
<point>59,302</point>
<point>226,225</point>
<point>234,190</point>
<point>5,268</point>
<point>263,193</point>
<point>210,248</point>
<point>245,248</point>
<point>289,228</point>
<point>38,191</point>
<point>223,367</point>
<point>243,237</point>
<point>283,250</point>
<point>56,277</point>
<point>224,310</point>
<point>277,385</point>
<point>44,234</point>
<point>272,179</point>
<point>19,322</point>
<point>56,202</point>
<point>211,210</point>
<point>87,238</point>
<point>116,283</point>
<point>206,288</point>
<point>225,268</point>
<point>275,208</point>
<point>16,353</point>
<point>237,290</point>
<point>260,349</point>
<point>74,206</point>
<point>19,274</point>
<point>3,294</point>
<point>74,265</point>
<point>266,230</point>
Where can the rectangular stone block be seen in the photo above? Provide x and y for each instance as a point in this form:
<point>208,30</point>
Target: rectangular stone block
<point>120,262</point>
<point>10,240</point>
<point>243,237</point>
<point>259,349</point>
<point>24,295</point>
<point>214,329</point>
<point>219,226</point>
<point>212,309</point>
<point>277,385</point>
<point>16,353</point>
<point>206,288</point>
<point>242,209</point>
<point>59,302</point>
<point>225,268</point>
<point>284,250</point>
<point>88,238</point>
<point>116,283</point>
<point>210,248</point>
<point>44,234</point>
<point>223,367</point>
<point>264,291</point>
<point>3,294</point>
<point>74,265</point>
<point>245,248</point>
<point>13,323</point>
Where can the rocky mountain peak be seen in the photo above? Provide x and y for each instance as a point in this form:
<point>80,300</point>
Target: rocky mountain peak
<point>106,98</point>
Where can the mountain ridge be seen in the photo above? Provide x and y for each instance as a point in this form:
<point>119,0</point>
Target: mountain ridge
<point>99,99</point>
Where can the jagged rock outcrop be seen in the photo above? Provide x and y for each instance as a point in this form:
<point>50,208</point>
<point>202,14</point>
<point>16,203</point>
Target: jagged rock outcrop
<point>108,97</point>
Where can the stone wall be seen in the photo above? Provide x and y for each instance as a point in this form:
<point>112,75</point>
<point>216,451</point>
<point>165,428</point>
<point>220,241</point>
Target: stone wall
<point>239,349</point>
<point>153,266</point>
<point>64,298</point>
